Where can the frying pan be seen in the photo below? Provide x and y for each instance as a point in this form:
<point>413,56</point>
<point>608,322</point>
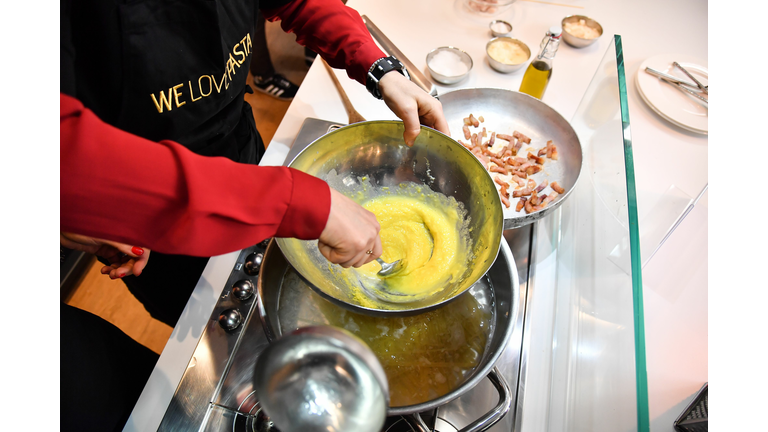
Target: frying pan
<point>506,111</point>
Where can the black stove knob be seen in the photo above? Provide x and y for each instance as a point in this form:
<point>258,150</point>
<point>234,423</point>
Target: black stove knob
<point>264,243</point>
<point>243,290</point>
<point>253,263</point>
<point>230,319</point>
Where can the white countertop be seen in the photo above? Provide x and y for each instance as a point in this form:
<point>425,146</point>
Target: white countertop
<point>675,300</point>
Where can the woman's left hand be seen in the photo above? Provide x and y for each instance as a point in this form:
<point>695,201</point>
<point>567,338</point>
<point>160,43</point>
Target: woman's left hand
<point>412,105</point>
<point>124,259</point>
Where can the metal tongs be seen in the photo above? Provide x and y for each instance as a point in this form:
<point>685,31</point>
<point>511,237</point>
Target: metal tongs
<point>694,89</point>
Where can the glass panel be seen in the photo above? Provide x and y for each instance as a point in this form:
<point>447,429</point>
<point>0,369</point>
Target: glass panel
<point>596,353</point>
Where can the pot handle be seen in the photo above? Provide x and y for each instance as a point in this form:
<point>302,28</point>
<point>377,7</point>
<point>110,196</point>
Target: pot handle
<point>486,421</point>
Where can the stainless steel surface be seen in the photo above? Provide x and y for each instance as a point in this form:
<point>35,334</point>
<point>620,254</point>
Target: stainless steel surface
<point>464,410</point>
<point>311,129</point>
<point>579,42</point>
<point>370,158</point>
<point>388,269</point>
<point>216,392</point>
<point>485,421</point>
<point>506,111</point>
<point>321,379</point>
<point>701,86</point>
<point>243,289</point>
<point>499,411</point>
<point>218,352</point>
<point>502,285</point>
<point>449,79</point>
<point>495,33</point>
<point>506,67</point>
<point>417,77</point>
<point>525,342</point>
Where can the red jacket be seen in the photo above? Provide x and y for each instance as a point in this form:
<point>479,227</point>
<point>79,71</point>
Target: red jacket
<point>160,195</point>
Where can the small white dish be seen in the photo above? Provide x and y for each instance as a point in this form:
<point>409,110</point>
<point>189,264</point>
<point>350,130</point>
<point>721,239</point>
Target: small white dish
<point>667,101</point>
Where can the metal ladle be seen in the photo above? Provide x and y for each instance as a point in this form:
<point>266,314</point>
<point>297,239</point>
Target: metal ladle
<point>388,269</point>
<point>321,378</point>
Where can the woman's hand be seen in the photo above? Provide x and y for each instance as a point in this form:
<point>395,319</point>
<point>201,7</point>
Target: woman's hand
<point>125,259</point>
<point>351,231</point>
<point>412,105</point>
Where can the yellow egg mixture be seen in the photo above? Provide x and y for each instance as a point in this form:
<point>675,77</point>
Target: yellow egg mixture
<point>427,235</point>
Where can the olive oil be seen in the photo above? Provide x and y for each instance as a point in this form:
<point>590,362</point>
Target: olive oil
<point>539,72</point>
<point>536,78</point>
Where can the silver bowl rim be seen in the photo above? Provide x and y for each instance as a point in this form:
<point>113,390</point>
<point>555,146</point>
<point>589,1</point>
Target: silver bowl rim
<point>497,34</point>
<point>585,40</point>
<point>515,40</point>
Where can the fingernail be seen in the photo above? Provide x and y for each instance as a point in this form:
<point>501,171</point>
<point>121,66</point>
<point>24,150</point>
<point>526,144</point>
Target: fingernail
<point>121,275</point>
<point>137,251</point>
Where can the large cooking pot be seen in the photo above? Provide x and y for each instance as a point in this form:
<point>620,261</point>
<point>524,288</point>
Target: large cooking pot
<point>287,303</point>
<point>367,159</point>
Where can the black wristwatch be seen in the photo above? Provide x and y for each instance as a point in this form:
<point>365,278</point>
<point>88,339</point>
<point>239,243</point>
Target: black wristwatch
<point>378,69</point>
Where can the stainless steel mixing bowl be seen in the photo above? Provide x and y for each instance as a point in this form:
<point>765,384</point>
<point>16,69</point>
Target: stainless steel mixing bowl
<point>372,155</point>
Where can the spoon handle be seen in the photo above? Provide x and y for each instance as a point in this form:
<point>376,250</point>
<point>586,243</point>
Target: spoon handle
<point>354,116</point>
<point>703,88</point>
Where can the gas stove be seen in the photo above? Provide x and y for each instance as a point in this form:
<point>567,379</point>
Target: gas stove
<point>216,391</point>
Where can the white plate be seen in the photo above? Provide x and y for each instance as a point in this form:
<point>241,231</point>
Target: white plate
<point>670,103</point>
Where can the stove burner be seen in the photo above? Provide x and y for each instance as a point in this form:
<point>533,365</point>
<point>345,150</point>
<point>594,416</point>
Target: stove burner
<point>397,424</point>
<point>252,418</point>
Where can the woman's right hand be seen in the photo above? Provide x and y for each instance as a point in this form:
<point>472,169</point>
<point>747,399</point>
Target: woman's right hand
<point>351,231</point>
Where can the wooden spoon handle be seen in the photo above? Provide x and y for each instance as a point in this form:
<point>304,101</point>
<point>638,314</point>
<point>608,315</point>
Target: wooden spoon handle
<point>354,116</point>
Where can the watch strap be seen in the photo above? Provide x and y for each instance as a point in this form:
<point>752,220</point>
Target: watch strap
<point>378,69</point>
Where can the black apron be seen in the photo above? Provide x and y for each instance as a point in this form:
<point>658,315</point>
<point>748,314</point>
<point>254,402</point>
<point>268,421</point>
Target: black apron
<point>167,70</point>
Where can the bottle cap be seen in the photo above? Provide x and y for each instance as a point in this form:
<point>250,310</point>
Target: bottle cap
<point>555,31</point>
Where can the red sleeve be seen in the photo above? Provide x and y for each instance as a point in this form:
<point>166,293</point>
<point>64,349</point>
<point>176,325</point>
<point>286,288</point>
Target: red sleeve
<point>121,187</point>
<point>333,30</point>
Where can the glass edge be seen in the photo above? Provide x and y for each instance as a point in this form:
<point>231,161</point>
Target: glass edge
<point>641,374</point>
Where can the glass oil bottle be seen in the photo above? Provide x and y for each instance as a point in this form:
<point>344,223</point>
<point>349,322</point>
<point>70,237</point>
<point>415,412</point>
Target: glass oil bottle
<point>539,72</point>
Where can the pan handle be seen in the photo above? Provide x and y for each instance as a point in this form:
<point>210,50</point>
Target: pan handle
<point>486,421</point>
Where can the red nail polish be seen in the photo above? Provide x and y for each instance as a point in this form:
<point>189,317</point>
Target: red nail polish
<point>121,275</point>
<point>137,251</point>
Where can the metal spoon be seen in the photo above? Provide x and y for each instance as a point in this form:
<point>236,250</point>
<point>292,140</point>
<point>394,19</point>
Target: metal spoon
<point>703,88</point>
<point>388,269</point>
